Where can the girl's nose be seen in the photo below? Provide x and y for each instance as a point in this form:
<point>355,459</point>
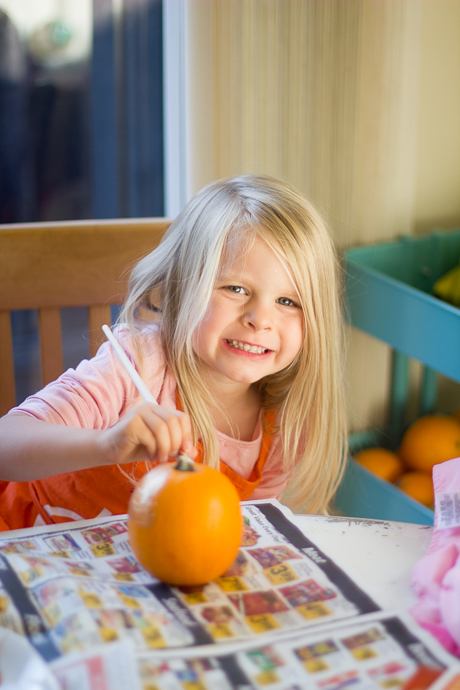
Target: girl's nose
<point>258,317</point>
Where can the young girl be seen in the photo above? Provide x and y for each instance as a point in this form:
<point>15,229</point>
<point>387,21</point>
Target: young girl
<point>235,320</point>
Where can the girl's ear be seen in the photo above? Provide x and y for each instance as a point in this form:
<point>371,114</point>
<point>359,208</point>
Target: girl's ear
<point>150,310</point>
<point>154,300</point>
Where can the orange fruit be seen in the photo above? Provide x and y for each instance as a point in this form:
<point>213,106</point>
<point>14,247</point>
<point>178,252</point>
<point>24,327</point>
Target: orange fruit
<point>419,485</point>
<point>430,440</point>
<point>184,523</point>
<point>456,415</point>
<point>382,462</point>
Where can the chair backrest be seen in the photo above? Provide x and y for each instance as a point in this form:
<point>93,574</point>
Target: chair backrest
<point>46,266</point>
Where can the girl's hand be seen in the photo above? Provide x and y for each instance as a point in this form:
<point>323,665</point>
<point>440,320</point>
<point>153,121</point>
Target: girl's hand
<point>148,432</point>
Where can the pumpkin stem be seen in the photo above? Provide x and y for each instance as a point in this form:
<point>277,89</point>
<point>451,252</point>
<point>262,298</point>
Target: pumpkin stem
<point>184,464</point>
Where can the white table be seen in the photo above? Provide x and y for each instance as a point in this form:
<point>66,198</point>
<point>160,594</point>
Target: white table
<point>380,554</point>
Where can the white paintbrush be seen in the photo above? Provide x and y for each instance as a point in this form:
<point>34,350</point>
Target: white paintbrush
<point>134,376</point>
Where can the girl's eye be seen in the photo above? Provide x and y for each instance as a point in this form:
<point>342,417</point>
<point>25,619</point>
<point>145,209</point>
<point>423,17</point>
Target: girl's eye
<point>237,289</point>
<point>286,302</point>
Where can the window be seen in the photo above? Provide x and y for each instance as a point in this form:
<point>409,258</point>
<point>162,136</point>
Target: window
<point>81,129</point>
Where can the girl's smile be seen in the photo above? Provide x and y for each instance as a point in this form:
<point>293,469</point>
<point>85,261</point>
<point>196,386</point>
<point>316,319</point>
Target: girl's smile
<point>253,326</point>
<point>246,349</point>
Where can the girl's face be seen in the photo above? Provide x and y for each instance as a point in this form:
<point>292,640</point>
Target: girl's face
<point>254,324</point>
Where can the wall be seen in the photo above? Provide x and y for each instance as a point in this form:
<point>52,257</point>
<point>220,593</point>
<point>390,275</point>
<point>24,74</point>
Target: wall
<point>437,185</point>
<point>437,198</point>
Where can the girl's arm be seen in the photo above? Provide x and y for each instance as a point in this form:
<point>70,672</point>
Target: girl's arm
<point>32,449</point>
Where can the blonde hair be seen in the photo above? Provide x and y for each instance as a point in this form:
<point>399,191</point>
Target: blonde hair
<point>176,281</point>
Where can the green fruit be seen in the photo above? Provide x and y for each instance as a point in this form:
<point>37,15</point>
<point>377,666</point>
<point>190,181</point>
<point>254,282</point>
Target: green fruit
<point>448,286</point>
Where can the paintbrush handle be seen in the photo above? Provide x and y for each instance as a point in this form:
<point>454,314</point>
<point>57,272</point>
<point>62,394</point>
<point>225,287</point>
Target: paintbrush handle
<point>134,376</point>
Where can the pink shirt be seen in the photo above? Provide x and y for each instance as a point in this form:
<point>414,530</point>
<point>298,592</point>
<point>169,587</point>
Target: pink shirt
<point>99,392</point>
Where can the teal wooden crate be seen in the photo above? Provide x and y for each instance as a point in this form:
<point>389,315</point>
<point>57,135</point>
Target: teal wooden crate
<point>388,290</point>
<point>364,495</point>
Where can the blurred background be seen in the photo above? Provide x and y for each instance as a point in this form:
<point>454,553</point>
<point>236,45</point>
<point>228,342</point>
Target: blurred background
<point>123,108</point>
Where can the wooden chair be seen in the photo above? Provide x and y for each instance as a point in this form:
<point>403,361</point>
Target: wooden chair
<point>47,266</point>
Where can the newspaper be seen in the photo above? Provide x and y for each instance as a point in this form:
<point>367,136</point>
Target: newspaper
<point>91,611</point>
<point>383,653</point>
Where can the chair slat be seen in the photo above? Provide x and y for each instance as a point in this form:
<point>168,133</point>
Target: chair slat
<point>98,315</point>
<point>7,390</point>
<point>49,319</point>
<point>72,264</point>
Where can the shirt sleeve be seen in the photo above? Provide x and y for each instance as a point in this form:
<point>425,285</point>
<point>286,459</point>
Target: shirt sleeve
<point>99,391</point>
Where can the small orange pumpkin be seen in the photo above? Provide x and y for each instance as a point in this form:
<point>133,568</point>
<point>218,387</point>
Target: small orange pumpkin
<point>184,523</point>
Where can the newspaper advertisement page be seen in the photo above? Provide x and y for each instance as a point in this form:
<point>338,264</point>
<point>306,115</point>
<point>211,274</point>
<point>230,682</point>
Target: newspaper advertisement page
<point>388,652</point>
<point>279,581</point>
<point>72,589</point>
<point>108,667</point>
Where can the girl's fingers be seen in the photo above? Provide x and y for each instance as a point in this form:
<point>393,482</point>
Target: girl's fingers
<point>150,432</point>
<point>143,438</point>
<point>185,434</point>
<point>187,442</point>
<point>160,431</point>
<point>172,431</point>
<point>131,440</point>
